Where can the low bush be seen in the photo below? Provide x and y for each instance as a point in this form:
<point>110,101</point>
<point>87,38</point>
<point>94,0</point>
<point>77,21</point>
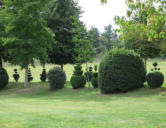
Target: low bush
<point>78,80</point>
<point>155,79</point>
<point>56,78</point>
<point>4,78</point>
<point>121,70</point>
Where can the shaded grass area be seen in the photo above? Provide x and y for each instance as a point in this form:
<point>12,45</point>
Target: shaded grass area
<point>37,107</point>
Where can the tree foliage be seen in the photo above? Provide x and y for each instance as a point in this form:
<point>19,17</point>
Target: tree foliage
<point>144,30</point>
<point>60,16</point>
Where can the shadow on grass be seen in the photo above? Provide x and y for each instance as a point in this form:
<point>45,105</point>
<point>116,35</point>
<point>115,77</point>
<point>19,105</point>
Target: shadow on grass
<point>39,90</point>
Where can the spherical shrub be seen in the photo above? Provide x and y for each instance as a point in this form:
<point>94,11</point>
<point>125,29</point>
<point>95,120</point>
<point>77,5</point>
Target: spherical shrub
<point>78,80</point>
<point>121,70</point>
<point>4,78</point>
<point>155,79</point>
<point>95,80</point>
<point>56,78</point>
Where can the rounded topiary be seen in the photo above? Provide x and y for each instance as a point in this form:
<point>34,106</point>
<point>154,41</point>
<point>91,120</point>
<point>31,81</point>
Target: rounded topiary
<point>155,79</point>
<point>43,76</point>
<point>95,80</point>
<point>4,78</point>
<point>56,78</point>
<point>16,76</point>
<point>78,80</point>
<point>121,70</point>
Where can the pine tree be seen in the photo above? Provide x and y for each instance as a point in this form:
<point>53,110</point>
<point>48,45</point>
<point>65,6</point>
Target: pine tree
<point>60,16</point>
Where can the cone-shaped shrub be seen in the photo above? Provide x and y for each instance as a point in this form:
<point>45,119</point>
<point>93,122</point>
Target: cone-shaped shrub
<point>121,70</point>
<point>43,76</point>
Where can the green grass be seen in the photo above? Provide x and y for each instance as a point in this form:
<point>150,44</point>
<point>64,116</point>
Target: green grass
<point>37,107</point>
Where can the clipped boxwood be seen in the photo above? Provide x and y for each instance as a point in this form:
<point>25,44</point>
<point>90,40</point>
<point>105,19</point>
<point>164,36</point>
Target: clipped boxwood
<point>56,78</point>
<point>121,70</point>
<point>4,78</point>
<point>78,80</point>
<point>94,80</point>
<point>155,79</point>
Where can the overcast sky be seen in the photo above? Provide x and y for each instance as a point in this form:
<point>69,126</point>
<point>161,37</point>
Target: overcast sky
<point>98,15</point>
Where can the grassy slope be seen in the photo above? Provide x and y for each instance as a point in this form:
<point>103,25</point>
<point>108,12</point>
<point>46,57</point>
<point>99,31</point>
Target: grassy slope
<point>36,107</point>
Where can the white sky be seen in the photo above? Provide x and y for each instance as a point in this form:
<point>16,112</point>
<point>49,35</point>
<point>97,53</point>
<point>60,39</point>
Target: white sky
<point>98,15</point>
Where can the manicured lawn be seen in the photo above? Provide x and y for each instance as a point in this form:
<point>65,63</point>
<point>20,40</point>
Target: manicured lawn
<point>37,107</point>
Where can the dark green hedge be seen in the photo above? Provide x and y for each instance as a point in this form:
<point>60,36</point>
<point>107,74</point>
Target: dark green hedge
<point>155,79</point>
<point>121,70</point>
<point>56,78</point>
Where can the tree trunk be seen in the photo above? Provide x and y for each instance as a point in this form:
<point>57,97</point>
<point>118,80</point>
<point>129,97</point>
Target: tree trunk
<point>87,74</point>
<point>26,77</point>
<point>1,64</point>
<point>62,67</point>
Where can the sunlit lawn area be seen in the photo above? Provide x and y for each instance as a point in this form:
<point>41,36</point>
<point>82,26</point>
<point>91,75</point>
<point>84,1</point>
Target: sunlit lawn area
<point>37,107</point>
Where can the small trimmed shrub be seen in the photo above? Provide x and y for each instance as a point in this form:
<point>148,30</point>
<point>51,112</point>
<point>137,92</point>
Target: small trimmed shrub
<point>95,80</point>
<point>16,76</point>
<point>155,79</point>
<point>78,80</point>
<point>4,78</point>
<point>121,70</point>
<point>30,78</point>
<point>43,76</point>
<point>56,78</point>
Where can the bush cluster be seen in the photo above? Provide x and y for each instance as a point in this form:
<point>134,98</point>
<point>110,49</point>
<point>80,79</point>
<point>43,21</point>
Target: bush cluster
<point>56,78</point>
<point>78,80</point>
<point>4,78</point>
<point>121,70</point>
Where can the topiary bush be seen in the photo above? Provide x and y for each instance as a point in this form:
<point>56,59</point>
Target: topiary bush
<point>43,76</point>
<point>155,79</point>
<point>56,78</point>
<point>4,78</point>
<point>121,70</point>
<point>16,76</point>
<point>78,80</point>
<point>95,80</point>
